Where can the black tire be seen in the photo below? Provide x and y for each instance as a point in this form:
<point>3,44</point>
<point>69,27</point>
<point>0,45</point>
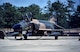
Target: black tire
<point>56,37</point>
<point>2,35</point>
<point>15,37</point>
<point>25,37</point>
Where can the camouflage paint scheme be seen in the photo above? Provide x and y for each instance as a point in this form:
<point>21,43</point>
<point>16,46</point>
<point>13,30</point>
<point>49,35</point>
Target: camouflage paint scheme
<point>33,27</point>
<point>39,25</point>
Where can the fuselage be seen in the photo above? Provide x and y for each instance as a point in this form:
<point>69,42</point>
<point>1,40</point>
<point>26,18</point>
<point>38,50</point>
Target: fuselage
<point>42,24</point>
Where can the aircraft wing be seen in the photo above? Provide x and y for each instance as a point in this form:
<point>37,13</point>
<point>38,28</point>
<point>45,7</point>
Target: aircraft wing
<point>52,29</point>
<point>46,29</point>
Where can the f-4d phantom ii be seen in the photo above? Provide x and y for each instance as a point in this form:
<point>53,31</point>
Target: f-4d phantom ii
<point>32,27</point>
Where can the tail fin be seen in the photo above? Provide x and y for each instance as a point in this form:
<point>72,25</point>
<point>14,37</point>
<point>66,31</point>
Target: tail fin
<point>52,19</point>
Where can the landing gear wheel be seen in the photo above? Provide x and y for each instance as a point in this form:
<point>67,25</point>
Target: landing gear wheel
<point>15,37</point>
<point>2,35</point>
<point>25,37</point>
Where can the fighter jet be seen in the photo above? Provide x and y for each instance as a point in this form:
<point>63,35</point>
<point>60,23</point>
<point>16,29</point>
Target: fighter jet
<point>34,27</point>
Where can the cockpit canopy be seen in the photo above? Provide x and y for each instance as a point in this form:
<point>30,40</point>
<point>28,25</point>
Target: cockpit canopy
<point>28,17</point>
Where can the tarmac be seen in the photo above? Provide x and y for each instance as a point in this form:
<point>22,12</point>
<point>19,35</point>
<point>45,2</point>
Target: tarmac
<point>44,44</point>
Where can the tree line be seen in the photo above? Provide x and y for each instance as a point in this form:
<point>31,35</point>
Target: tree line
<point>66,15</point>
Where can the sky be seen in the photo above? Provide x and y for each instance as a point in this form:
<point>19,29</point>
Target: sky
<point>19,3</point>
<point>41,3</point>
